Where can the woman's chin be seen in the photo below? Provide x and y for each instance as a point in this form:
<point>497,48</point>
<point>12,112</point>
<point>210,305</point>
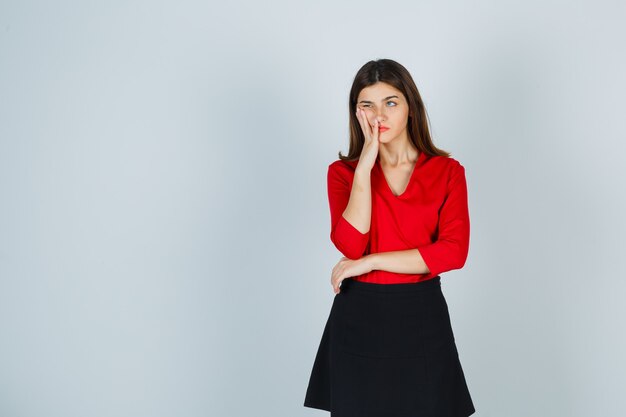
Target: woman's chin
<point>384,138</point>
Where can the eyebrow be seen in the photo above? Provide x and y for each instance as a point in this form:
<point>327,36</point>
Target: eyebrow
<point>385,99</point>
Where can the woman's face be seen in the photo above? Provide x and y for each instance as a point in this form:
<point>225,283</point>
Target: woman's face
<point>387,104</point>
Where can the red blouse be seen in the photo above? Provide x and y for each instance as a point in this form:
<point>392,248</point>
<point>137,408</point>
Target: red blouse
<point>431,215</point>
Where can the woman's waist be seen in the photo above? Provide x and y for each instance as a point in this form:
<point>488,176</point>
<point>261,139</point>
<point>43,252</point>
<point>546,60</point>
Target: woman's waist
<point>386,277</point>
<point>355,284</point>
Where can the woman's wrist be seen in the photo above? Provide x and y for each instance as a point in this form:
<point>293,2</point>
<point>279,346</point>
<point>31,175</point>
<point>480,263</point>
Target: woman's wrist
<point>371,261</point>
<point>362,172</point>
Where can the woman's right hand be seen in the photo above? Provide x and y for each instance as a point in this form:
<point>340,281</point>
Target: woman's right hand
<point>370,147</point>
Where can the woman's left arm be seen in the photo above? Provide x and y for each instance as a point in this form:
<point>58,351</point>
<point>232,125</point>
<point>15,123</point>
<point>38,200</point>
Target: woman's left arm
<point>451,248</point>
<point>408,261</point>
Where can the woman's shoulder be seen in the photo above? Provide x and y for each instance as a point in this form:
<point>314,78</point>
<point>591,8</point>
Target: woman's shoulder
<point>341,171</point>
<point>343,166</point>
<point>445,163</point>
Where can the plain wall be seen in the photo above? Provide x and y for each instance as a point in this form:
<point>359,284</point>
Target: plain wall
<point>164,224</point>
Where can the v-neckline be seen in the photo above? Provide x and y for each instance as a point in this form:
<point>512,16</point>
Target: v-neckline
<point>408,184</point>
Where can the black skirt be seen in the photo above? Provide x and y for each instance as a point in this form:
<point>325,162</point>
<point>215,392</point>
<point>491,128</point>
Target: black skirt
<point>388,350</point>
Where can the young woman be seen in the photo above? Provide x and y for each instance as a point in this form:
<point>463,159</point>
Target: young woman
<point>399,215</point>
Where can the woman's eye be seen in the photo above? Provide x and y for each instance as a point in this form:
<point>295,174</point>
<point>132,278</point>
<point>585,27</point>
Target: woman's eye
<point>392,102</point>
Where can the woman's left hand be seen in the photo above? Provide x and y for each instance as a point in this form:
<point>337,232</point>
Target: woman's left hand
<point>346,268</point>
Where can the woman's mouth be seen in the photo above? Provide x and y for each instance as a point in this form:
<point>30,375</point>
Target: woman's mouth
<point>383,128</point>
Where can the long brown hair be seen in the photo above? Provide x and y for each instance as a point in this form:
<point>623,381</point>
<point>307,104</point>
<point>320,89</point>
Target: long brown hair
<point>394,74</point>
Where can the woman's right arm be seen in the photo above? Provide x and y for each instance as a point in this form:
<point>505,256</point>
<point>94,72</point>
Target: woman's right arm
<point>350,209</point>
<point>351,205</point>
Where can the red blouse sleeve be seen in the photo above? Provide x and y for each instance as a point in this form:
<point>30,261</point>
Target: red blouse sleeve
<point>346,238</point>
<point>451,247</point>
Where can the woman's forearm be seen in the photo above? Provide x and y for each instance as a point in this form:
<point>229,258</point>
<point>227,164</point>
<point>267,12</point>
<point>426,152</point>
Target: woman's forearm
<point>358,212</point>
<point>408,261</point>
